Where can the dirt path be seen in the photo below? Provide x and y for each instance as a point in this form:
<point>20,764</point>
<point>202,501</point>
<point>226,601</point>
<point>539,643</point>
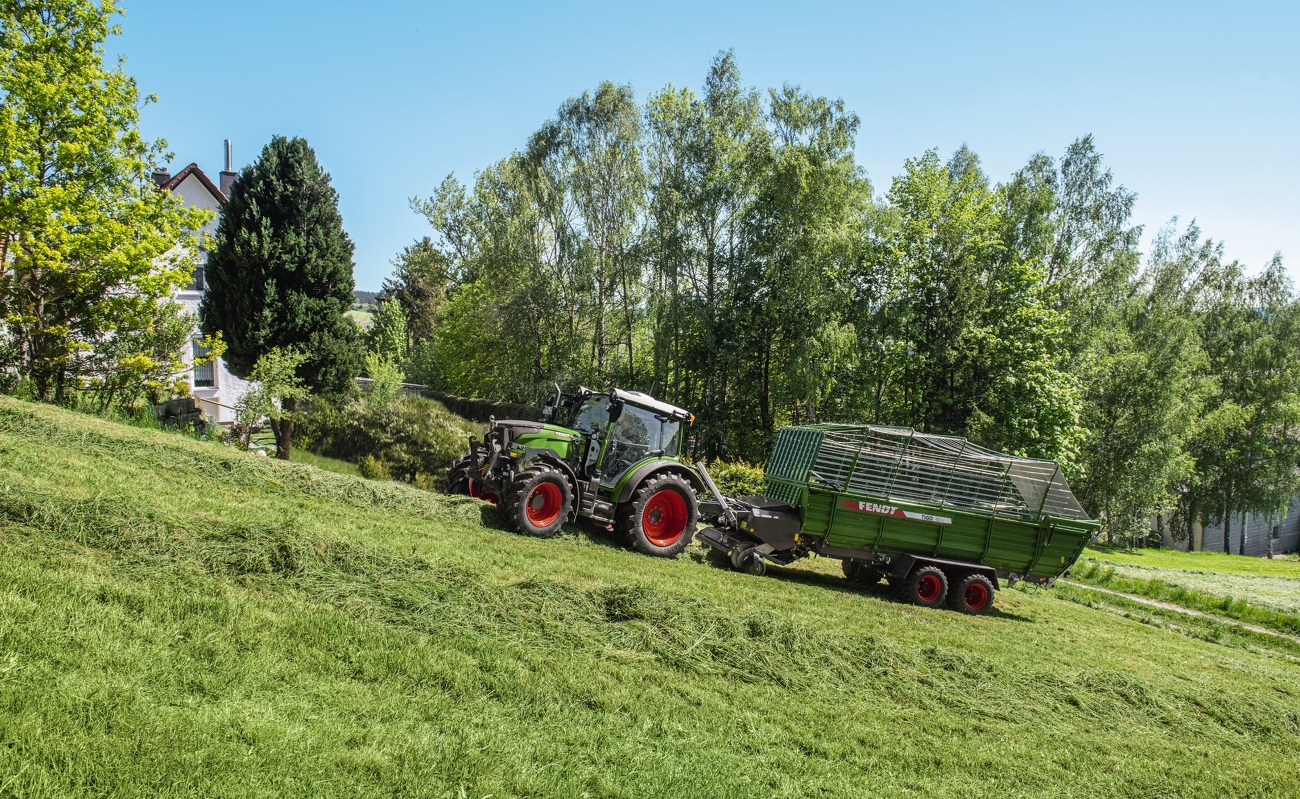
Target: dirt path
<point>1155,603</point>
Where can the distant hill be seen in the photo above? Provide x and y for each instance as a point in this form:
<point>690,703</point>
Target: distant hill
<point>364,305</point>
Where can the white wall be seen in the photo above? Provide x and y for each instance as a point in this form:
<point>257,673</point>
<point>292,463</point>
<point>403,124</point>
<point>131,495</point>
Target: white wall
<point>217,401</point>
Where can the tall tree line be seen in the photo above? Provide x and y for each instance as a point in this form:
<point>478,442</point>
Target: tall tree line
<point>725,250</point>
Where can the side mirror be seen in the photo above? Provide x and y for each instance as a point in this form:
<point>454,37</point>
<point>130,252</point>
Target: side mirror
<point>615,410</point>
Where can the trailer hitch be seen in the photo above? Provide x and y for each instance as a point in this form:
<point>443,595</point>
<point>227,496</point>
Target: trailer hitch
<point>726,507</point>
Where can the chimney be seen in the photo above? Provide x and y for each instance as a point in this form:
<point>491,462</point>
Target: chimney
<point>228,175</point>
<point>161,176</point>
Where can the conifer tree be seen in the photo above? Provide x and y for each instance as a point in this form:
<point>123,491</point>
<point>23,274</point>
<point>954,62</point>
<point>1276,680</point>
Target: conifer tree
<point>280,274</point>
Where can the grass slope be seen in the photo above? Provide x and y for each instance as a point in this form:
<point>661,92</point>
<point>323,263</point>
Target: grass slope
<point>178,619</point>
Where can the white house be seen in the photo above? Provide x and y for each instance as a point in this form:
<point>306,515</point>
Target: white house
<point>216,389</point>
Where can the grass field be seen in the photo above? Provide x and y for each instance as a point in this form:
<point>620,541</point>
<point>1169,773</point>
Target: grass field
<point>178,619</point>
<point>1255,590</point>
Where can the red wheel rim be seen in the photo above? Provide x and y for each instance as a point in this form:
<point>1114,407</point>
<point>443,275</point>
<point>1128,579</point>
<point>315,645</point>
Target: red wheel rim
<point>477,491</point>
<point>928,587</point>
<point>664,518</point>
<point>976,596</point>
<point>544,504</point>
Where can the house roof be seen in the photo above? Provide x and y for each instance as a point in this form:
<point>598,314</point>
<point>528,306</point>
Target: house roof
<point>193,169</point>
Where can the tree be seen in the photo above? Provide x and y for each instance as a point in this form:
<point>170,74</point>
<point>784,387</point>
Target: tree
<point>1145,389</point>
<point>280,273</point>
<point>388,336</point>
<point>275,391</point>
<point>419,283</point>
<point>90,250</point>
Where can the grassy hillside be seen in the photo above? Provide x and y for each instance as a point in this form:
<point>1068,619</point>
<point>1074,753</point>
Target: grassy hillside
<point>178,619</point>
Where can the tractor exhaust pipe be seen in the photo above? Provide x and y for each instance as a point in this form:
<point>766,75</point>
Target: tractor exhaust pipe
<point>708,481</point>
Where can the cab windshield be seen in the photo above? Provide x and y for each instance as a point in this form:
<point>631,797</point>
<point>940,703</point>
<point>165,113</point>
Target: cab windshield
<point>593,409</point>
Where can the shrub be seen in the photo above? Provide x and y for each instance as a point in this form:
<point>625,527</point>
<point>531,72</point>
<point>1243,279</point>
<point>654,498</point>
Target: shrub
<point>737,479</point>
<point>409,437</point>
<point>373,468</point>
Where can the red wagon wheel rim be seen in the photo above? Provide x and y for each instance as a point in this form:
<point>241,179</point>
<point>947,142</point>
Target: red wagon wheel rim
<point>664,518</point>
<point>544,504</point>
<point>976,596</point>
<point>477,491</point>
<point>928,587</point>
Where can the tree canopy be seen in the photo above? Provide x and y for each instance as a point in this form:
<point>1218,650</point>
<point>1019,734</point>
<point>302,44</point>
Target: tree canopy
<point>280,272</point>
<point>726,250</point>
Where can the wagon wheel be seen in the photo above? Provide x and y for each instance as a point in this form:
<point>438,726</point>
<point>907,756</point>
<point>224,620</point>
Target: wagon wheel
<point>973,595</point>
<point>927,587</point>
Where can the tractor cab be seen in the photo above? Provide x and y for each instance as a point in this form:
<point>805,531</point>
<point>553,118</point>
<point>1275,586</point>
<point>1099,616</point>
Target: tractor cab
<point>621,428</point>
<point>601,454</point>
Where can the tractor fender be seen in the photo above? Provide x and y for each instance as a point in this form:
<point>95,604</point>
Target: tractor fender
<point>549,456</point>
<point>643,471</point>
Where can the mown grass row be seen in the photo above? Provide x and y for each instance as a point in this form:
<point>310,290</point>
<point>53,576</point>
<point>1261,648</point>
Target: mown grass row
<point>1094,572</point>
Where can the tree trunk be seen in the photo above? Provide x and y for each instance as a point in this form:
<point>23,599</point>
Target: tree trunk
<point>283,430</point>
<point>1241,545</point>
<point>1227,525</point>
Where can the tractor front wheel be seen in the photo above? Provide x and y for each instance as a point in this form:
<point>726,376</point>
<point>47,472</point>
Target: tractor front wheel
<point>662,515</point>
<point>461,480</point>
<point>538,501</point>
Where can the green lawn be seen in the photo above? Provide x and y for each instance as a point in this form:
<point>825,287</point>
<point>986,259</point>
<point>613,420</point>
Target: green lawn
<point>1208,562</point>
<point>179,619</point>
<point>1255,590</point>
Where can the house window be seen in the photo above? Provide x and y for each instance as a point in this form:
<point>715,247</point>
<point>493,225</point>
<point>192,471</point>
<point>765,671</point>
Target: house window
<point>204,374</point>
<point>198,280</point>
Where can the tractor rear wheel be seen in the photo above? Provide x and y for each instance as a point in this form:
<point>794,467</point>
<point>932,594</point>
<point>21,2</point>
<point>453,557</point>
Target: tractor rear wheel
<point>460,480</point>
<point>927,587</point>
<point>973,595</point>
<point>538,501</point>
<point>662,515</point>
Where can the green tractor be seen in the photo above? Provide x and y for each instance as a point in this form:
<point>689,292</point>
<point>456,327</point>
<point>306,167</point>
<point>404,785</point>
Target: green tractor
<point>611,458</point>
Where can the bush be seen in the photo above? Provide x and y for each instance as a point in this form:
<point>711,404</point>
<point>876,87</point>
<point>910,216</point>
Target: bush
<point>373,468</point>
<point>737,479</point>
<point>406,438</point>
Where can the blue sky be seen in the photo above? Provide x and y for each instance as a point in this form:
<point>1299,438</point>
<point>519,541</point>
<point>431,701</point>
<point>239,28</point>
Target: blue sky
<point>1195,105</point>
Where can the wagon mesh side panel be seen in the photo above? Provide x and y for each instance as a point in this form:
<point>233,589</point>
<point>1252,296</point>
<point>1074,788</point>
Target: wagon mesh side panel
<point>787,468</point>
<point>901,465</point>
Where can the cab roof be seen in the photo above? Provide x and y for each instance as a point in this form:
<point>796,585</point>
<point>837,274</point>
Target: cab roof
<point>647,401</point>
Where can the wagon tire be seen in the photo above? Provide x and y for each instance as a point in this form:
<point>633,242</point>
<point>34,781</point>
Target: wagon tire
<point>538,502</point>
<point>973,595</point>
<point>927,587</point>
<point>661,517</point>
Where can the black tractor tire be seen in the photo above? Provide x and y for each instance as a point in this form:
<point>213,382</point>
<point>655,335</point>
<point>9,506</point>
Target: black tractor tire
<point>460,480</point>
<point>859,573</point>
<point>927,587</point>
<point>973,595</point>
<point>662,515</point>
<point>538,502</point>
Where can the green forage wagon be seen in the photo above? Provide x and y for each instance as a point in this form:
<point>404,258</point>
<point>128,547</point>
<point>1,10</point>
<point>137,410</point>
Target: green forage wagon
<point>938,517</point>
